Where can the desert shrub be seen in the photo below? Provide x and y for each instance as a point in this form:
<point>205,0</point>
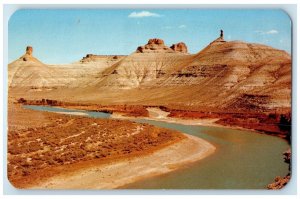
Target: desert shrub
<point>50,162</point>
<point>21,100</point>
<point>25,172</point>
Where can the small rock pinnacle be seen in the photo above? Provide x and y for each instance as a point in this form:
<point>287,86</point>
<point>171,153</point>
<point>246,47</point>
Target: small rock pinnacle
<point>29,50</point>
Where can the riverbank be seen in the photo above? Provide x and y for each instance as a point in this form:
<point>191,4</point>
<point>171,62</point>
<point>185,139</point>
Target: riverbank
<point>121,172</point>
<point>157,114</point>
<point>268,122</point>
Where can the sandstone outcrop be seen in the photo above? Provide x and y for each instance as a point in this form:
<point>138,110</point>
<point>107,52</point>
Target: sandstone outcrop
<point>29,50</point>
<point>154,46</point>
<point>99,58</point>
<point>158,46</point>
<point>179,47</point>
<point>28,56</point>
<point>156,41</point>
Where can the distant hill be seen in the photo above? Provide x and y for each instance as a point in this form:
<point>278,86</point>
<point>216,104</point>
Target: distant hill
<point>29,73</point>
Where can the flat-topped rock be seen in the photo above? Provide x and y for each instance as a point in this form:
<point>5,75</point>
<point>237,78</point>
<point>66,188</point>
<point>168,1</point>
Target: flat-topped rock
<point>97,58</point>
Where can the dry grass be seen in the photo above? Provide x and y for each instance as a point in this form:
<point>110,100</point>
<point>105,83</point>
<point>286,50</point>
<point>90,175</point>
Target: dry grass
<point>56,141</point>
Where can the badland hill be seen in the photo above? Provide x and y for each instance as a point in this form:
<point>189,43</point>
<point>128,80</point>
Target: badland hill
<point>225,75</point>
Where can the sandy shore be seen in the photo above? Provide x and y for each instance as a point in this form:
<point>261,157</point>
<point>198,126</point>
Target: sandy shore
<point>157,114</point>
<point>73,113</point>
<point>160,115</point>
<point>122,172</point>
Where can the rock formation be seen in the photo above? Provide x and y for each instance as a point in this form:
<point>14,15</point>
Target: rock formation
<point>221,34</point>
<point>158,46</point>
<point>179,47</point>
<point>156,41</point>
<point>28,55</point>
<point>219,40</point>
<point>99,58</point>
<point>29,50</point>
<point>225,75</point>
<point>154,46</point>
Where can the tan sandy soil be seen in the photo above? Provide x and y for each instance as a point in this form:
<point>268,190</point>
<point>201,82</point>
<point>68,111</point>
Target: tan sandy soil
<point>157,113</point>
<point>21,118</point>
<point>119,173</point>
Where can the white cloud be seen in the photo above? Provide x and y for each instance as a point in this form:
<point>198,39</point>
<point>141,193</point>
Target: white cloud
<point>182,26</point>
<point>269,32</point>
<point>272,32</point>
<point>143,14</point>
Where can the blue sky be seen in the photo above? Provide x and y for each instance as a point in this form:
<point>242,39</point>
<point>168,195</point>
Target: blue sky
<point>65,36</point>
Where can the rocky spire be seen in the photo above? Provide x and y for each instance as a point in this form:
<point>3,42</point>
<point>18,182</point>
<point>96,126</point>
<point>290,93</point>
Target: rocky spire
<point>219,40</point>
<point>28,54</point>
<point>221,34</point>
<point>29,50</point>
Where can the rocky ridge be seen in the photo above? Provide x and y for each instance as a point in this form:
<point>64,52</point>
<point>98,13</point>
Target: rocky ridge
<point>158,46</point>
<point>98,58</point>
